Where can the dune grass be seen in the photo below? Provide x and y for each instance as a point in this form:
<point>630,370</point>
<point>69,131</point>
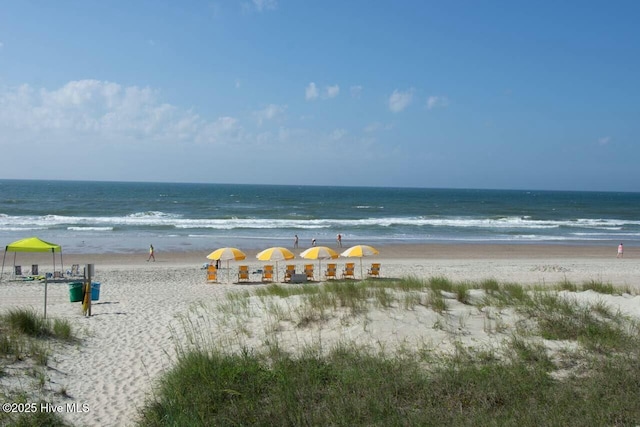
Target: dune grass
<point>524,383</point>
<point>24,339</point>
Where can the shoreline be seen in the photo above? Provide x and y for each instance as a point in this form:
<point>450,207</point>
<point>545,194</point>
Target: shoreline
<point>441,251</point>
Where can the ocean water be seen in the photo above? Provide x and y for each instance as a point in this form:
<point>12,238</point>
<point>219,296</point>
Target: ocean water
<point>118,217</point>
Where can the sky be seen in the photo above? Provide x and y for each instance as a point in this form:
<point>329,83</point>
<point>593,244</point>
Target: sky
<point>541,95</point>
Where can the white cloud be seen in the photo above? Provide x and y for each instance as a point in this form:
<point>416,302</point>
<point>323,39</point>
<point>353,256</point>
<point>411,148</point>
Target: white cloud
<point>265,4</point>
<point>333,91</point>
<point>356,91</point>
<point>260,5</point>
<point>288,135</point>
<point>605,140</point>
<point>225,124</point>
<point>311,92</point>
<point>398,101</point>
<point>337,134</point>
<point>270,112</point>
<point>80,105</point>
<point>130,133</point>
<point>284,138</point>
<point>105,112</point>
<point>437,101</point>
<point>223,131</point>
<point>377,127</point>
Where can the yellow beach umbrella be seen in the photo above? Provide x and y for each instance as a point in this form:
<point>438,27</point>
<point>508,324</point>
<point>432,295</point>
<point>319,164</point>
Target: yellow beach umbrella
<point>360,251</point>
<point>319,253</point>
<point>227,254</point>
<point>276,254</point>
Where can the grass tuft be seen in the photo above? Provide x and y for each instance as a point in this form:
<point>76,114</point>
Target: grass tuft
<point>23,338</point>
<point>28,322</point>
<point>601,288</point>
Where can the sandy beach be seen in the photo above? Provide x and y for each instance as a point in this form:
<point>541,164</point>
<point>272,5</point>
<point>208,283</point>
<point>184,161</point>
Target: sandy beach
<point>131,337</point>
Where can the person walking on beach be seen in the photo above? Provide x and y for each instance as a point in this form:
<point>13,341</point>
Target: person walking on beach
<point>313,242</point>
<point>151,254</point>
<point>620,251</point>
<point>295,241</point>
<point>339,239</point>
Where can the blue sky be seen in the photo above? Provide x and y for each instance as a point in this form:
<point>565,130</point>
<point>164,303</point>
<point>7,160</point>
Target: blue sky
<point>449,94</point>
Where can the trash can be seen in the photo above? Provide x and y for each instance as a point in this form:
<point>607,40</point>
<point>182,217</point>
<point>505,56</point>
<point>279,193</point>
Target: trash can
<point>75,291</point>
<point>95,291</point>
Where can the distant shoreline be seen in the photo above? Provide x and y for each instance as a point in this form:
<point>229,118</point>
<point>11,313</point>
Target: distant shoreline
<point>231,184</point>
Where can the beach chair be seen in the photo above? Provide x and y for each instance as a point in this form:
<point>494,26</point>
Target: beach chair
<point>349,271</point>
<point>17,270</point>
<point>267,273</point>
<point>243,273</point>
<point>75,270</point>
<point>212,273</point>
<point>57,274</point>
<point>290,271</point>
<point>308,270</point>
<point>331,271</point>
<point>34,269</point>
<point>374,271</point>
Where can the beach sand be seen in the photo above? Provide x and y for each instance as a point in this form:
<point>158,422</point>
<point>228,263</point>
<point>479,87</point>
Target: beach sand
<point>131,337</point>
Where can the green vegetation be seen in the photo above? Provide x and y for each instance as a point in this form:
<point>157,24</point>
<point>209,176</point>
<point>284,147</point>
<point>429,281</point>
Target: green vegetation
<point>24,338</point>
<point>590,375</point>
<point>560,361</point>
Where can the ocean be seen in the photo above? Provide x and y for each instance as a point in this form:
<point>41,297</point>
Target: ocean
<point>125,217</point>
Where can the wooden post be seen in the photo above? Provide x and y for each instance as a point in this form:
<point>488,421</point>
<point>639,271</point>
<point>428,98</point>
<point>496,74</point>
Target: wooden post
<point>89,271</point>
<point>45,297</point>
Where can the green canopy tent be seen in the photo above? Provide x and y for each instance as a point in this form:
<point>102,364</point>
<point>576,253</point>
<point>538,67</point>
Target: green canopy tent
<point>32,244</point>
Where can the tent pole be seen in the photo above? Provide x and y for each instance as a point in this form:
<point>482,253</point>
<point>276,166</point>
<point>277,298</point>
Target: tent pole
<point>3,257</point>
